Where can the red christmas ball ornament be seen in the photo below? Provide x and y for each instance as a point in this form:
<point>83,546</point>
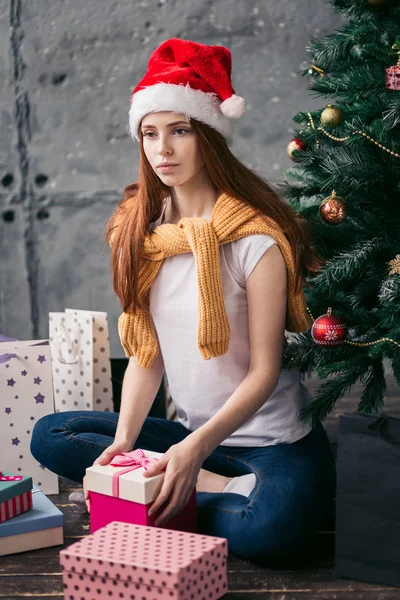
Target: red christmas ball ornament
<point>329,330</point>
<point>295,144</point>
<point>332,209</point>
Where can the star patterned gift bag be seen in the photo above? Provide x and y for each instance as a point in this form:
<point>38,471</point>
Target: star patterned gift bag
<point>80,354</point>
<point>26,395</point>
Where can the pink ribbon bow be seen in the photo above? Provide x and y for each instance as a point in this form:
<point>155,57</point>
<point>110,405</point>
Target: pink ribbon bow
<point>132,460</point>
<point>10,477</point>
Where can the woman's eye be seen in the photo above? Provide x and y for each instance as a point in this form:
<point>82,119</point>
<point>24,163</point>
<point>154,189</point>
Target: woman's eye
<point>151,133</point>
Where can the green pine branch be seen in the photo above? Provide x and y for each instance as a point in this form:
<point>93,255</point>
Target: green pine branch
<point>363,11</point>
<point>375,387</point>
<point>329,392</point>
<point>356,83</point>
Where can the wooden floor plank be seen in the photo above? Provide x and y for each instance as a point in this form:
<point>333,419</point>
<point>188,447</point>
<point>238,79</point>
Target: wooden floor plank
<point>262,595</point>
<point>47,582</point>
<point>307,594</point>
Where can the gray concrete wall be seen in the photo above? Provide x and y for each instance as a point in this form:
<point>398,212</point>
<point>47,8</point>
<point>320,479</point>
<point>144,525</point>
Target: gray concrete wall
<point>67,69</point>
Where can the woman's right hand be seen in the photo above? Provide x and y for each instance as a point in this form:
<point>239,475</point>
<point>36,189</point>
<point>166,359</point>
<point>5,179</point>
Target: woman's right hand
<point>105,458</point>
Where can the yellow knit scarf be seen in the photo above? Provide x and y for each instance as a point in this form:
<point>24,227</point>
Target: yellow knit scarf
<point>231,219</point>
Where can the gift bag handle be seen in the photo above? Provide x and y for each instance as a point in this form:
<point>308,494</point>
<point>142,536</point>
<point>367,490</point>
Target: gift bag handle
<point>6,357</point>
<point>381,426</point>
<point>74,347</point>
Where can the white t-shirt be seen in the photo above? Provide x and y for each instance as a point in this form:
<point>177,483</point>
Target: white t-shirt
<point>199,387</point>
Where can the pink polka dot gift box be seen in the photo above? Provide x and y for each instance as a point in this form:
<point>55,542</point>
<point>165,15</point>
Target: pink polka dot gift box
<point>132,562</point>
<point>120,491</point>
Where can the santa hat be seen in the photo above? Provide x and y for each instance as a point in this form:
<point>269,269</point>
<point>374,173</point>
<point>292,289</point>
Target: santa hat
<point>190,78</point>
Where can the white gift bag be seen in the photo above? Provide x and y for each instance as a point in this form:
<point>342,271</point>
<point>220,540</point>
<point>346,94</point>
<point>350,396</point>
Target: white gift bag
<point>80,351</point>
<point>26,395</point>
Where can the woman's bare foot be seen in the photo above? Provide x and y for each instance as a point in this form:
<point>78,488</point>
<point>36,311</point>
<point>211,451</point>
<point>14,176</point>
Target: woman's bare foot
<point>211,482</point>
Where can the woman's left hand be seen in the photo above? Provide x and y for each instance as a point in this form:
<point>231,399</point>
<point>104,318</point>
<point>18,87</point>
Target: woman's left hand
<point>182,463</point>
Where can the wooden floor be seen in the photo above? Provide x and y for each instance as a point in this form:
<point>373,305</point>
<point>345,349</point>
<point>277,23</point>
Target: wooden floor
<point>310,576</point>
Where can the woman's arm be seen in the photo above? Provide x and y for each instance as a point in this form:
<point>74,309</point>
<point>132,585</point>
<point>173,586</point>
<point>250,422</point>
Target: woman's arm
<point>267,299</point>
<point>139,389</point>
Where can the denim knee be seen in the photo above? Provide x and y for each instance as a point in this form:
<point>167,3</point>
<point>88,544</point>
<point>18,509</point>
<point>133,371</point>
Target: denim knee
<point>277,538</point>
<point>40,434</point>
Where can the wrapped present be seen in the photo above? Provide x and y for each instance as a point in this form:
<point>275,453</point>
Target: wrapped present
<point>120,491</point>
<point>37,528</point>
<point>15,495</point>
<point>123,560</point>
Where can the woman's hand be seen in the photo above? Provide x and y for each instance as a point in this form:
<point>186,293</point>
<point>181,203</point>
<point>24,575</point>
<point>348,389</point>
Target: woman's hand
<point>116,448</point>
<point>182,463</point>
<point>105,458</point>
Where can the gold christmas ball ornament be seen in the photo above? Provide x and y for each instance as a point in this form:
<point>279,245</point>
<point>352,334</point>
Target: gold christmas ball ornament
<point>332,116</point>
<point>332,210</point>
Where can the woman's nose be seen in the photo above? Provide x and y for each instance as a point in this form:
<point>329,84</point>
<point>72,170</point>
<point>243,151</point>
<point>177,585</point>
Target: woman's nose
<point>163,146</point>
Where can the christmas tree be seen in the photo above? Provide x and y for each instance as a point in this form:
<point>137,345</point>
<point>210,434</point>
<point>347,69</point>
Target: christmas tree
<point>346,185</point>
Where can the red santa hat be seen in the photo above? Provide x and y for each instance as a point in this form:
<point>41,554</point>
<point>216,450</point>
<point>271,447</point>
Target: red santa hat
<point>190,78</point>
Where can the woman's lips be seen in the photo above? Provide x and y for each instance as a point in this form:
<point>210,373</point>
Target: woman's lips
<point>166,169</point>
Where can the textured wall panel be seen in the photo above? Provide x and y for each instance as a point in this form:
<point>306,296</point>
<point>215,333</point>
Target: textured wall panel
<point>75,262</point>
<point>69,67</point>
<point>15,309</point>
<point>15,313</point>
<point>8,153</point>
<point>82,67</point>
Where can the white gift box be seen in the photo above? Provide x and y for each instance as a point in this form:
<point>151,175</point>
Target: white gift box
<point>133,485</point>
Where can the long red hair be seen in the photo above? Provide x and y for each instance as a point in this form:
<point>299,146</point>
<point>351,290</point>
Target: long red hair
<point>142,204</point>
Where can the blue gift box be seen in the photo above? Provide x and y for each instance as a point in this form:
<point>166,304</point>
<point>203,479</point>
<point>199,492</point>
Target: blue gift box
<point>44,515</point>
<point>12,489</point>
<point>40,527</point>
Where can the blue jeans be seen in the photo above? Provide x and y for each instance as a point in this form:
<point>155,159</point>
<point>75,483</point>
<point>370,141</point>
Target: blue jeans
<point>295,483</point>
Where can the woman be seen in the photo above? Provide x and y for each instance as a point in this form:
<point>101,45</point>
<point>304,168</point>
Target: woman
<point>207,262</point>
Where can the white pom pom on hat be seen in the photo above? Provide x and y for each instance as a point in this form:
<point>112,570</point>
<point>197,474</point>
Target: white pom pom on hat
<point>233,107</point>
<point>190,78</point>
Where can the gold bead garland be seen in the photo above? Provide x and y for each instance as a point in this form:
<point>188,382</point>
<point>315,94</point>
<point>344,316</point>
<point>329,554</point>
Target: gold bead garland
<point>313,127</point>
<point>317,69</point>
<point>363,344</point>
<point>345,139</point>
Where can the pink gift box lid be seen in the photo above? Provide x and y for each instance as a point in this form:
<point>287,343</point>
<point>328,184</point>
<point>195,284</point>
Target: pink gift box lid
<point>132,486</point>
<point>148,555</point>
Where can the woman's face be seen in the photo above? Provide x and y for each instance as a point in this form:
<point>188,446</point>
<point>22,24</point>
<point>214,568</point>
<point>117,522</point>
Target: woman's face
<point>169,138</point>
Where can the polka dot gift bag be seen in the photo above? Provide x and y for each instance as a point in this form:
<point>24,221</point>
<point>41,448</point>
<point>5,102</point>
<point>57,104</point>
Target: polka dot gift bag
<point>132,562</point>
<point>80,354</point>
<point>26,395</point>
